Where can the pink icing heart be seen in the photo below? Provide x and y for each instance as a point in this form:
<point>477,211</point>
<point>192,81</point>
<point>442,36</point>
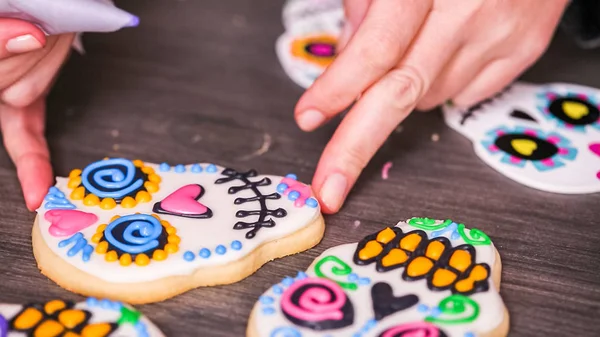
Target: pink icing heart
<point>184,202</point>
<point>65,222</point>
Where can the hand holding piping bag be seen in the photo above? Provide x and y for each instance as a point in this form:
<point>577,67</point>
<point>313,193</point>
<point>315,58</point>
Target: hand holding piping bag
<point>35,40</point>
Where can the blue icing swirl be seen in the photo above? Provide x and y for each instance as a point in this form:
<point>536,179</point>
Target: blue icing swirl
<point>112,178</point>
<point>140,234</point>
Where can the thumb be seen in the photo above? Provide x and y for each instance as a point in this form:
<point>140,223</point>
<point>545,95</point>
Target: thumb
<point>17,37</point>
<point>355,11</point>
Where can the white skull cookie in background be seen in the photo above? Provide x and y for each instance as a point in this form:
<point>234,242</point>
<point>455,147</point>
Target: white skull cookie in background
<point>308,45</point>
<point>141,232</point>
<point>92,318</point>
<point>542,136</point>
<point>420,278</point>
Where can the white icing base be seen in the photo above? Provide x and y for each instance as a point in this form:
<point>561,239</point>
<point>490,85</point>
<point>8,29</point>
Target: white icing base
<point>195,234</point>
<point>490,303</point>
<point>99,315</point>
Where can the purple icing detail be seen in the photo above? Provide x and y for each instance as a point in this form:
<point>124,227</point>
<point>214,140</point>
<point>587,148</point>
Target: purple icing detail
<point>3,326</point>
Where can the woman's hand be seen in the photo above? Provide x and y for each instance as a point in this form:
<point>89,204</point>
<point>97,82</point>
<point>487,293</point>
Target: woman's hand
<point>398,55</point>
<point>29,62</point>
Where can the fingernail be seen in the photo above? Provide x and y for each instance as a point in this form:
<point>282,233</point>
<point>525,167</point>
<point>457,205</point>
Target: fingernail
<point>310,120</point>
<point>23,44</point>
<point>333,191</point>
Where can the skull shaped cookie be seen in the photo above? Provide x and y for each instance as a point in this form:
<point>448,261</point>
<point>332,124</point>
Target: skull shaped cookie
<point>308,45</point>
<point>97,318</point>
<point>140,232</point>
<point>542,136</point>
<point>420,278</point>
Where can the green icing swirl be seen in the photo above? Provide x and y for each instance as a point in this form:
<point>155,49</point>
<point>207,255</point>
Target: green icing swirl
<point>340,268</point>
<point>456,309</point>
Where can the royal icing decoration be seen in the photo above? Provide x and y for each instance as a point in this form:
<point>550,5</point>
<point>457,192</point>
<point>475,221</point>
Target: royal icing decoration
<point>426,278</point>
<point>92,318</point>
<point>132,221</point>
<point>542,136</point>
<point>309,43</point>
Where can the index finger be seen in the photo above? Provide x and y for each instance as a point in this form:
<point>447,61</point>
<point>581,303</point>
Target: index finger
<point>379,43</point>
<point>17,36</point>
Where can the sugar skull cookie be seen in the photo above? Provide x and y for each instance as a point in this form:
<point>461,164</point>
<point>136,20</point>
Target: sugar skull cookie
<point>542,136</point>
<point>308,45</point>
<point>140,232</point>
<point>92,318</point>
<point>420,278</point>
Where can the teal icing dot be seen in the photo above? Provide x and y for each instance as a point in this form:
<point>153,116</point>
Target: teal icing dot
<point>204,253</point>
<point>236,245</point>
<point>188,256</point>
<point>164,167</point>
<point>220,250</point>
<point>196,168</point>
<point>212,168</point>
<point>179,168</point>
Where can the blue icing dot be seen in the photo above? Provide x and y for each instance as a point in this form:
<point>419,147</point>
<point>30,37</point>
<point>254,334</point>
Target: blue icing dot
<point>188,256</point>
<point>204,253</point>
<point>266,299</point>
<point>352,277</point>
<point>220,250</point>
<point>435,312</point>
<point>281,188</point>
<point>301,275</point>
<point>268,311</point>
<point>288,281</point>
<point>371,323</point>
<point>164,167</point>
<point>105,304</point>
<point>364,281</point>
<point>212,168</point>
<point>236,245</point>
<point>292,176</point>
<point>357,334</point>
<point>55,191</point>
<point>91,302</point>
<point>116,306</point>
<point>294,195</point>
<point>196,168</point>
<point>179,168</point>
<point>422,308</point>
<point>312,202</point>
<point>277,289</point>
<point>469,334</point>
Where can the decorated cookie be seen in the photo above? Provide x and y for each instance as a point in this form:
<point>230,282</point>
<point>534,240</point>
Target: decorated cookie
<point>92,318</point>
<point>140,232</point>
<point>308,45</point>
<point>423,278</point>
<point>542,136</point>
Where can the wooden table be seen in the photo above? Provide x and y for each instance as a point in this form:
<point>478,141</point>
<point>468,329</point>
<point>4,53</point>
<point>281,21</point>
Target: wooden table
<point>199,81</point>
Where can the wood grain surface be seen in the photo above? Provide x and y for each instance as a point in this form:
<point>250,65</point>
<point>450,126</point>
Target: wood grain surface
<point>199,81</point>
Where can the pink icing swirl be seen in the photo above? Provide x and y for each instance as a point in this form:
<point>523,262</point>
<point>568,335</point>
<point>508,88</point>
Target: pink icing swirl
<point>416,329</point>
<point>319,300</point>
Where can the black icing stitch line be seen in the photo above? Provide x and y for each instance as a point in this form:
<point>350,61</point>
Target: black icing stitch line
<point>470,112</point>
<point>263,212</point>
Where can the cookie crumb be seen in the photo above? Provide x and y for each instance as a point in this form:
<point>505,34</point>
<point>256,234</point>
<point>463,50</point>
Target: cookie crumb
<point>356,223</point>
<point>435,137</point>
<point>114,133</point>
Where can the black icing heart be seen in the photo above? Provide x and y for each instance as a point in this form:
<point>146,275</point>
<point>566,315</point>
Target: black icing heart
<point>384,302</point>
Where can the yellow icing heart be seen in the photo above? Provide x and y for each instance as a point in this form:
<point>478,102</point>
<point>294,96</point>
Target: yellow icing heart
<point>524,146</point>
<point>575,110</point>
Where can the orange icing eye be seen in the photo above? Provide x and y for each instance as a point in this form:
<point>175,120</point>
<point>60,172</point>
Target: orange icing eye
<point>394,257</point>
<point>443,278</point>
<point>49,328</point>
<point>72,318</point>
<point>419,266</point>
<point>29,318</point>
<point>461,260</point>
<point>318,50</point>
<point>410,242</point>
<point>371,249</point>
<point>97,330</point>
<point>478,273</point>
<point>54,306</point>
<point>386,235</point>
<point>435,249</point>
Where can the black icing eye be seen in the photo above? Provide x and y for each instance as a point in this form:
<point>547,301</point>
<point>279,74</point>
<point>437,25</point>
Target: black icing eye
<point>574,111</point>
<point>522,115</point>
<point>320,49</point>
<point>526,147</point>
